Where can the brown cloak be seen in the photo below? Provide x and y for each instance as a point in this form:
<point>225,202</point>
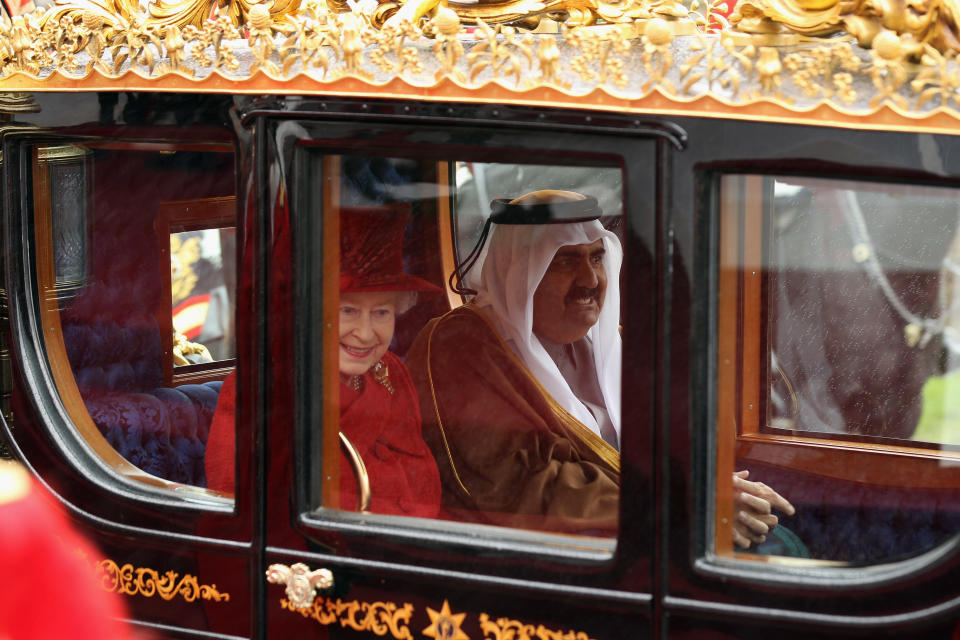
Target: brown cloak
<point>508,453</point>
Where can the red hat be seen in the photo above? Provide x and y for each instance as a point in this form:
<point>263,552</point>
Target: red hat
<point>371,250</point>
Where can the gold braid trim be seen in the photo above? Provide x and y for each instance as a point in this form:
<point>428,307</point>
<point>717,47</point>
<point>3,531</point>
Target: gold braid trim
<point>598,445</point>
<point>436,406</point>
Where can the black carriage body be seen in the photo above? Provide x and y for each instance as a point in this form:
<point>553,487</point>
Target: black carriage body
<point>663,575</point>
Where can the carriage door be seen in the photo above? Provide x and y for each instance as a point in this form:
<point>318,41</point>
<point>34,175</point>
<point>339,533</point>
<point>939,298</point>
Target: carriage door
<point>121,281</point>
<point>368,223</point>
<point>830,376</point>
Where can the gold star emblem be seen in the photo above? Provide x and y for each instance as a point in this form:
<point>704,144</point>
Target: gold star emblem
<point>445,625</point>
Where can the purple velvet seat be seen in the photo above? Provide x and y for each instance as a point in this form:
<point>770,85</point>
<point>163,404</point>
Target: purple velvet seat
<point>115,354</point>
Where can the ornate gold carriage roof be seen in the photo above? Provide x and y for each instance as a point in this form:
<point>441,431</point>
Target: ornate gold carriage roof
<point>863,63</point>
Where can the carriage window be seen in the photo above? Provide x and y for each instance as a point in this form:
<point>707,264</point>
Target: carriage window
<point>839,364</point>
<point>202,246</point>
<point>495,404</point>
<point>121,259</point>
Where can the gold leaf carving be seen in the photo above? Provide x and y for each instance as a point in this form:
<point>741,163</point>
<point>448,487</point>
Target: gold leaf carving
<point>936,79</point>
<point>507,629</point>
<point>380,618</point>
<point>645,47</point>
<point>501,50</point>
<point>599,54</point>
<point>131,580</point>
<point>825,70</point>
<point>888,72</point>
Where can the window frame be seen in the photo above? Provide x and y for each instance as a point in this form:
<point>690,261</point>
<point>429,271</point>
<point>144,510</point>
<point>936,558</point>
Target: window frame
<point>48,375</point>
<point>739,322</point>
<point>639,153</point>
<point>176,216</point>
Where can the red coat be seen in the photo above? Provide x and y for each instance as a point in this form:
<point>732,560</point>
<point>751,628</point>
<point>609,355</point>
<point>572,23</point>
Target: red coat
<point>384,427</point>
<point>49,588</point>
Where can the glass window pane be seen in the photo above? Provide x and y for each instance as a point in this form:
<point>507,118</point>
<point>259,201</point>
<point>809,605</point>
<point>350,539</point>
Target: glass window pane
<point>837,356</point>
<point>106,219</point>
<point>202,304</point>
<point>462,407</point>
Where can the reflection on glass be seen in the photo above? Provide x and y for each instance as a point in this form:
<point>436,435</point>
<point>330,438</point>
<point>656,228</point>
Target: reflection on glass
<point>470,414</point>
<point>100,229</point>
<point>837,360</point>
<point>860,292</point>
<point>202,306</point>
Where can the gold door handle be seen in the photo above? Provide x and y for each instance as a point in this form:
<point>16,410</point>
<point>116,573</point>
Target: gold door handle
<point>359,472</point>
<point>302,584</point>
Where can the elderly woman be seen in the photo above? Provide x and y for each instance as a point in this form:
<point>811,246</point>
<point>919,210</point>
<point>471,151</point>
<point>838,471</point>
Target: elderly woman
<point>379,411</point>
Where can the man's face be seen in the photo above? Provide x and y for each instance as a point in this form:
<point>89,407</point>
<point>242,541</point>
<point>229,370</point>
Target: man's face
<point>569,298</point>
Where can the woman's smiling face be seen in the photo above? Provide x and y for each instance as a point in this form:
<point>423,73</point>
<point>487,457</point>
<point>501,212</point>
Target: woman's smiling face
<point>366,329</point>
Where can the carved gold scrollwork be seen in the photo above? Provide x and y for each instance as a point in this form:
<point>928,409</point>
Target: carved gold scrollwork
<point>301,582</point>
<point>507,629</point>
<point>933,22</point>
<point>131,581</point>
<point>380,618</point>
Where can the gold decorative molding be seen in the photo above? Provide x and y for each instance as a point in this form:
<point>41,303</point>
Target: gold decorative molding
<point>507,629</point>
<point>131,581</point>
<point>445,625</point>
<point>388,618</point>
<point>300,581</point>
<point>380,618</point>
<point>642,56</point>
<point>912,24</point>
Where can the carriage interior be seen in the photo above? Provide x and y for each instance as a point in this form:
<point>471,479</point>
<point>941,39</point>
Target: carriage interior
<point>124,232</point>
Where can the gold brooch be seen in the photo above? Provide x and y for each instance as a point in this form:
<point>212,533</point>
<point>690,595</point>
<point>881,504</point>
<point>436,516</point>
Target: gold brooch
<point>382,375</point>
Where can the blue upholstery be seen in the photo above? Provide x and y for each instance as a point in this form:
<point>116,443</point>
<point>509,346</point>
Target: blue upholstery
<point>118,372</point>
<point>163,431</point>
<point>858,522</point>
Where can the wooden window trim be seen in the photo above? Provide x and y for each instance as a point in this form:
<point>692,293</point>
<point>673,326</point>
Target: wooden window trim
<point>173,217</point>
<point>55,346</point>
<point>741,368</point>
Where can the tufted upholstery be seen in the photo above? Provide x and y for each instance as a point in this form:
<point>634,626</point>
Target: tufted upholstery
<point>162,431</point>
<point>858,522</point>
<point>113,328</point>
<point>115,353</point>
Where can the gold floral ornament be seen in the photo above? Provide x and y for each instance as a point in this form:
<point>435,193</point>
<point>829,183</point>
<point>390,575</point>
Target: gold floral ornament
<point>937,78</point>
<point>500,50</point>
<point>715,60</point>
<point>507,629</point>
<point>380,618</point>
<point>447,46</point>
<point>599,50</point>
<point>888,72</point>
<point>548,55</point>
<point>146,582</point>
<point>308,45</point>
<point>932,22</point>
<point>261,40</point>
<point>197,12</point>
<point>391,55</point>
<point>21,51</point>
<point>818,71</point>
<point>301,582</point>
<point>768,69</point>
<point>657,56</point>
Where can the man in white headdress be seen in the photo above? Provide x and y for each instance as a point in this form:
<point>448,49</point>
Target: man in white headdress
<point>520,389</point>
